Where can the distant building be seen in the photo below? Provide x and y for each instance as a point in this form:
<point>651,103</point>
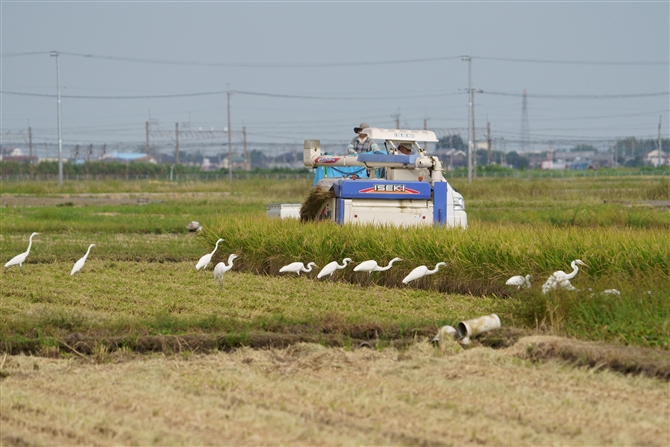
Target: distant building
<point>238,162</point>
<point>579,160</point>
<point>451,157</point>
<point>658,158</point>
<point>16,154</point>
<point>128,157</point>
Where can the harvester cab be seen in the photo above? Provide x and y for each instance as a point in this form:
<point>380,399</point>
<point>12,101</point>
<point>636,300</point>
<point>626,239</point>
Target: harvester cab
<point>400,189</point>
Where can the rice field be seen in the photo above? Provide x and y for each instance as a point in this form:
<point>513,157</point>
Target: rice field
<point>138,309</point>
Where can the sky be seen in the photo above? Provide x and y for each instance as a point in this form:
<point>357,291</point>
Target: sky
<point>593,71</point>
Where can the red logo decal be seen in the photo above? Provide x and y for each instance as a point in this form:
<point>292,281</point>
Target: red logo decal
<point>388,189</point>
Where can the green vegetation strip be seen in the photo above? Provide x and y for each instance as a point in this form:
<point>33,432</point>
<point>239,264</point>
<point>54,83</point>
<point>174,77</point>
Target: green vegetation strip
<point>132,299</point>
<point>478,259</point>
<point>137,284</point>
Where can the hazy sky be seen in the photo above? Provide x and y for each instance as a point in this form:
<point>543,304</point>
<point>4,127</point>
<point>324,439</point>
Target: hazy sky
<point>327,66</point>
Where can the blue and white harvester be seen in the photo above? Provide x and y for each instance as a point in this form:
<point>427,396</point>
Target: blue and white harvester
<point>397,189</point>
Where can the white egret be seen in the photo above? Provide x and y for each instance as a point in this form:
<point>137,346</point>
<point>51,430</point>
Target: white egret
<point>561,280</point>
<point>371,266</point>
<point>222,268</point>
<point>20,259</point>
<point>420,272</point>
<point>204,261</point>
<point>519,281</point>
<point>330,268</point>
<point>297,267</point>
<point>613,292</point>
<point>79,264</point>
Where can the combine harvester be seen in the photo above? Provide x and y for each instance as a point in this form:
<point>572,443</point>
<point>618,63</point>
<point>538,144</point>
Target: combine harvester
<point>397,190</point>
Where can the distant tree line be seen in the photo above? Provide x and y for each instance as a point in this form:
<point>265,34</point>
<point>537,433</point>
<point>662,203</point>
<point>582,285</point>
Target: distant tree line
<point>120,169</point>
<point>95,168</point>
<point>630,151</point>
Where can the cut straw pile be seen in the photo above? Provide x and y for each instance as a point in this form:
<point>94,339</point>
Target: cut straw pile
<point>313,203</point>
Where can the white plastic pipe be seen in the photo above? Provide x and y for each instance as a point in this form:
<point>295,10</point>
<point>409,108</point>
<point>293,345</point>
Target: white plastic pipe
<point>476,326</point>
<point>445,332</point>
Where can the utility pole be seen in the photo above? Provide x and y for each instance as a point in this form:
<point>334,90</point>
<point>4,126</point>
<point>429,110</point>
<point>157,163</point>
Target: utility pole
<point>397,120</point>
<point>230,144</point>
<point>246,160</point>
<point>488,139</point>
<point>660,120</point>
<point>503,154</point>
<point>146,147</point>
<point>469,59</point>
<point>176,151</point>
<point>616,154</point>
<point>60,138</point>
<point>30,143</point>
<point>474,135</point>
<point>525,133</point>
<point>425,127</point>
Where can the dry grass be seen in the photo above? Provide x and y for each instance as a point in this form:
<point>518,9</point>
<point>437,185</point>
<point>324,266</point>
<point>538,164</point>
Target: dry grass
<point>308,394</point>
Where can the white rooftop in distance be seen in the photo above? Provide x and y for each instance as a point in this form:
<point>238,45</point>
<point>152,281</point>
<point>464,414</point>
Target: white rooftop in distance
<point>400,134</point>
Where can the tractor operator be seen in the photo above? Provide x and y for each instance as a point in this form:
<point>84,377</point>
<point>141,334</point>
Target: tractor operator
<point>403,149</point>
<point>361,143</point>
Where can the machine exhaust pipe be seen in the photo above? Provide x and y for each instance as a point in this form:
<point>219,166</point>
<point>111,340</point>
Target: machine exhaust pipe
<point>476,326</point>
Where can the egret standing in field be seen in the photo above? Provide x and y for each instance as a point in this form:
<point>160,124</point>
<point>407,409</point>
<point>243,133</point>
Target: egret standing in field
<point>561,280</point>
<point>222,268</point>
<point>371,266</point>
<point>204,261</point>
<point>79,264</point>
<point>519,281</point>
<point>330,268</point>
<point>420,272</point>
<point>20,259</point>
<point>297,267</point>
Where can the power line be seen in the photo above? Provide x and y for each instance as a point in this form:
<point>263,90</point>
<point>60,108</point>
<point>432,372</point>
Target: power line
<point>272,95</point>
<point>574,118</point>
<point>332,64</point>
<point>175,95</point>
<point>571,62</point>
<point>43,53</point>
<point>276,95</point>
<point>630,95</point>
<point>260,65</point>
<point>335,98</point>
